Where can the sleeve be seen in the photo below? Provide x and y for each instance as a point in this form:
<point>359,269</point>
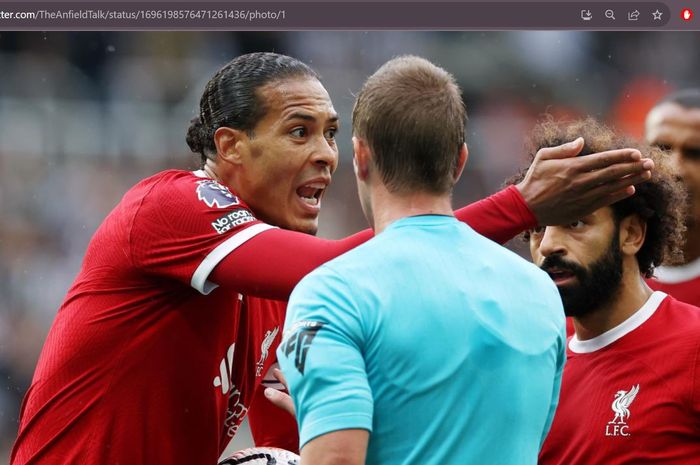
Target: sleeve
<point>321,357</point>
<point>499,217</point>
<point>271,264</point>
<point>185,226</point>
<point>270,425</point>
<point>198,232</point>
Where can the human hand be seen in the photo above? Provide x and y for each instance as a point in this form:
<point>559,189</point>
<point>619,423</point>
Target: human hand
<point>560,187</point>
<point>279,398</point>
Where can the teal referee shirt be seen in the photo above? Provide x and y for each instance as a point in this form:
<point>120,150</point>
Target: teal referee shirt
<point>447,347</point>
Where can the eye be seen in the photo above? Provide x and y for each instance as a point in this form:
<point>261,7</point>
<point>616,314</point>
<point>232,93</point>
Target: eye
<point>664,147</point>
<point>692,153</point>
<point>576,224</point>
<point>298,132</point>
<point>330,133</point>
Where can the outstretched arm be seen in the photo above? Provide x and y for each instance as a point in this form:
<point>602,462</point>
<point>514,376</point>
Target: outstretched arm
<point>270,264</point>
<point>558,188</point>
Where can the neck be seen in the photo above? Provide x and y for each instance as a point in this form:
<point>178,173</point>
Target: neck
<point>219,172</point>
<point>388,207</point>
<point>210,170</point>
<point>631,295</point>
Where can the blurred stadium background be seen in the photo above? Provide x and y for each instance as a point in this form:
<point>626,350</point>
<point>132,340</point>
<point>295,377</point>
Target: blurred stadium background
<point>83,116</point>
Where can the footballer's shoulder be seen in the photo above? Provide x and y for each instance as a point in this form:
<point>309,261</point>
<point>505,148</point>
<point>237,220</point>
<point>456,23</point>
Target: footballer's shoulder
<point>675,325</point>
<point>175,187</point>
<point>686,315</point>
<point>162,178</point>
<point>177,176</point>
<point>174,177</point>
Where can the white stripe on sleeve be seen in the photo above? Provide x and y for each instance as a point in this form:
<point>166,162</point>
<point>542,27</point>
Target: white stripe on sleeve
<point>199,277</point>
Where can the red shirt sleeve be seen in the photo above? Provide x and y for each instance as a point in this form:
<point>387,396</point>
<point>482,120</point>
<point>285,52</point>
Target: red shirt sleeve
<point>272,263</point>
<point>499,217</point>
<point>183,225</point>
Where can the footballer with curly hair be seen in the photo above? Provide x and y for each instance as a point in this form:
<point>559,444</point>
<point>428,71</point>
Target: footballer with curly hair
<point>630,385</point>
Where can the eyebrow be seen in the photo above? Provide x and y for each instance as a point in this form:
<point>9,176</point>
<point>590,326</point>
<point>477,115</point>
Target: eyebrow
<point>307,117</point>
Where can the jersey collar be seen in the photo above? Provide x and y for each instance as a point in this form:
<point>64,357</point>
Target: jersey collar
<point>624,328</point>
<point>678,274</point>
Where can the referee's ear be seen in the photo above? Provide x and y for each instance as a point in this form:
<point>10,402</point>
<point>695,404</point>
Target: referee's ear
<point>361,159</point>
<point>461,162</point>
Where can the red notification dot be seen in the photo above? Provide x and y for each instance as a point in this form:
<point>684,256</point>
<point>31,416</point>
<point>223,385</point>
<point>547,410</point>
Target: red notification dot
<point>686,14</point>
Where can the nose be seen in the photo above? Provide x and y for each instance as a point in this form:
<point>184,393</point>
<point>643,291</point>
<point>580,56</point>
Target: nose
<point>551,242</point>
<point>325,155</point>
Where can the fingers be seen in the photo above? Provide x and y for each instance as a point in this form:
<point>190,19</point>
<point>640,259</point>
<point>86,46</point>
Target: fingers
<point>607,194</point>
<point>277,373</point>
<point>604,200</point>
<point>280,399</point>
<point>570,149</point>
<point>641,170</point>
<point>619,187</point>
<point>620,195</point>
<point>564,188</point>
<point>602,160</point>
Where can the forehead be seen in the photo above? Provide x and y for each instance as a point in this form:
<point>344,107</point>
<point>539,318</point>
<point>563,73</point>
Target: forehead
<point>288,98</point>
<point>602,215</point>
<point>603,218</point>
<point>600,220</point>
<point>672,124</point>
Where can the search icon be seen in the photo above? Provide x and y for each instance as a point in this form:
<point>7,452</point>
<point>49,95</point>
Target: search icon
<point>610,14</point>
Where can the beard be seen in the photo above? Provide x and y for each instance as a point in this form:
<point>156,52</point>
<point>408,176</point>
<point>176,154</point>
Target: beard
<point>594,286</point>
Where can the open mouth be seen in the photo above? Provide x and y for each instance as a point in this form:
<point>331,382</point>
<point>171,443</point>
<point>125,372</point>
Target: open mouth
<point>311,193</point>
<point>559,275</point>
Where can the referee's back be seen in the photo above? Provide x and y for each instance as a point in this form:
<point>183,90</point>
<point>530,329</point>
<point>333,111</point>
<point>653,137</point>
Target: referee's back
<point>461,342</point>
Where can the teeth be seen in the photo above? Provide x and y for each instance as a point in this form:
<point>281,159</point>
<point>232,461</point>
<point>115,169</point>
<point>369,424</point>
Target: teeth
<point>316,185</point>
<point>309,200</point>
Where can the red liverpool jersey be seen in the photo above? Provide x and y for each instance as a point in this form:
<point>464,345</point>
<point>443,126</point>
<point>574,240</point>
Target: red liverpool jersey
<point>146,362</point>
<point>631,396</point>
<point>681,282</point>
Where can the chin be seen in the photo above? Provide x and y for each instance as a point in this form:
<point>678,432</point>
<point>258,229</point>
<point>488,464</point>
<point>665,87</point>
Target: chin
<point>300,224</point>
<point>312,230</point>
<point>305,226</point>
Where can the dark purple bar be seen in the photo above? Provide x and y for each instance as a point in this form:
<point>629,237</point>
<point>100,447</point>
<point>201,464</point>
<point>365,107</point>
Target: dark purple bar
<point>336,15</point>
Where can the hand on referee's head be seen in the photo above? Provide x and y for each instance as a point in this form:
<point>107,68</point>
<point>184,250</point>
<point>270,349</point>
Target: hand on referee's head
<point>280,398</point>
<point>560,187</point>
